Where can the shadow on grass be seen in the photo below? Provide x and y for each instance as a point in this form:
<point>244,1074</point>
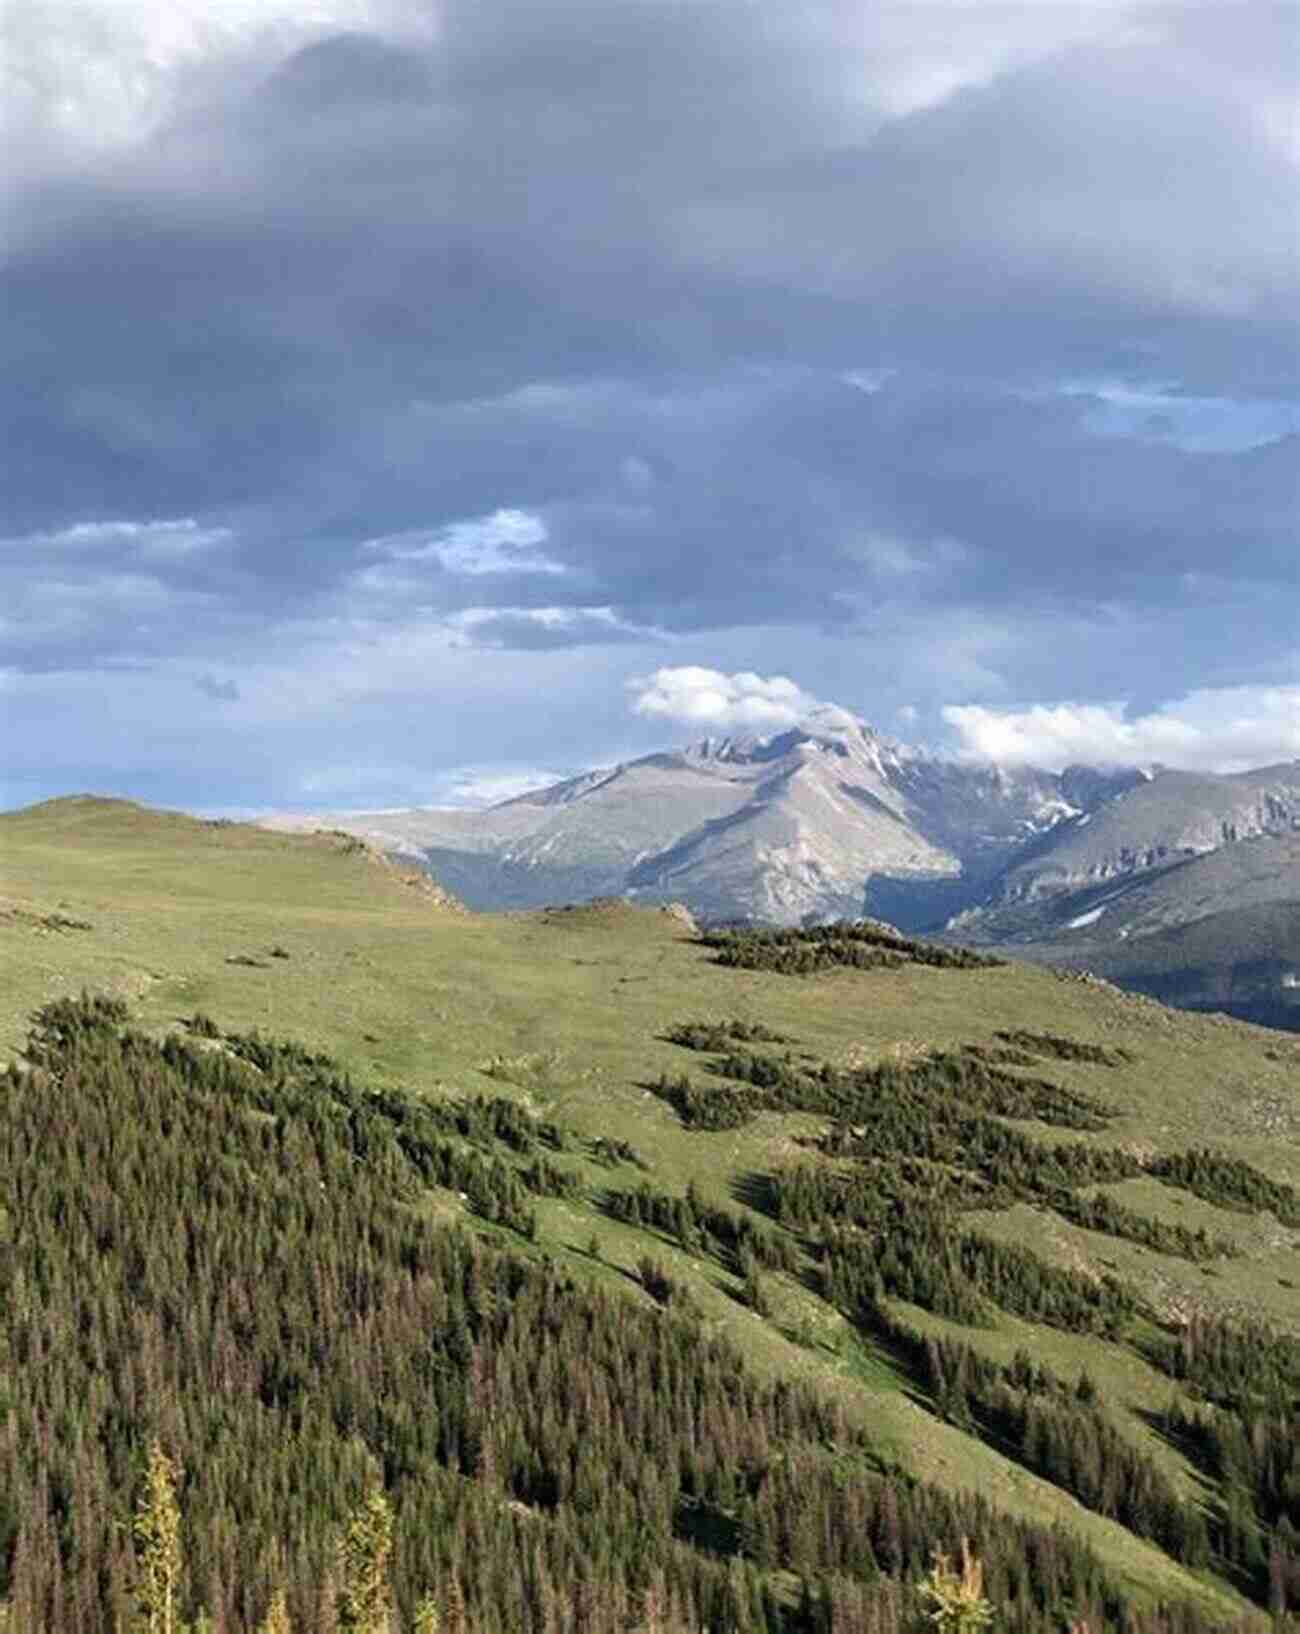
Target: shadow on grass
<point>754,1188</point>
<point>1185,1445</point>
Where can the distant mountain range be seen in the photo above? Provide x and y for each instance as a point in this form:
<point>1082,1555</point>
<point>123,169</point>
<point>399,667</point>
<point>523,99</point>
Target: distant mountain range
<point>1182,884</point>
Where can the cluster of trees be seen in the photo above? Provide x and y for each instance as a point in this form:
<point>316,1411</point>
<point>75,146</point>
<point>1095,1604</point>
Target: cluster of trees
<point>610,1151</point>
<point>1248,1443</point>
<point>960,1079</point>
<point>1079,1448</point>
<point>287,1067</point>
<point>1217,1178</point>
<point>954,1596</point>
<point>1101,1212</point>
<point>1246,1437</point>
<point>1236,1365</point>
<point>945,1111</point>
<point>721,1035</point>
<point>706,1106</point>
<point>487,1118</point>
<point>1055,1428</point>
<point>1060,1048</point>
<point>226,1262</point>
<point>810,1197</point>
<point>807,1196</point>
<point>457,1144</point>
<point>735,1239</point>
<point>921,1143</point>
<point>1014,1165</point>
<point>851,944</point>
<point>917,1256</point>
<point>1254,1455</point>
<point>915,1146</point>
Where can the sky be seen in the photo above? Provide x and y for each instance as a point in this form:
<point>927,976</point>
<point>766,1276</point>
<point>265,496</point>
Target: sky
<point>408,401</point>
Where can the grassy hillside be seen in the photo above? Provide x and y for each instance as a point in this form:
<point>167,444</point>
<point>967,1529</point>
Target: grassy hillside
<point>566,1012</point>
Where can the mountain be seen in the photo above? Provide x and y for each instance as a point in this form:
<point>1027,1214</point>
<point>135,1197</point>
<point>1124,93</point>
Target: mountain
<point>1104,869</point>
<point>1218,931</point>
<point>1159,820</point>
<point>1185,887</point>
<point>784,829</point>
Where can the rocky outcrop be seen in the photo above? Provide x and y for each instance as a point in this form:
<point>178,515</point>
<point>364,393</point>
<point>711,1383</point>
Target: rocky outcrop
<point>1166,818</point>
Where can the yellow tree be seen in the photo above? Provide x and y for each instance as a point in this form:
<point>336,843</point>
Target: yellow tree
<point>956,1594</point>
<point>365,1606</point>
<point>276,1620</point>
<point>427,1620</point>
<point>157,1532</point>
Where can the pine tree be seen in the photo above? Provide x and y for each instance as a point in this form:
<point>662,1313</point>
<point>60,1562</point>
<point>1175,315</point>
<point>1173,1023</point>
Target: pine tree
<point>754,1294</point>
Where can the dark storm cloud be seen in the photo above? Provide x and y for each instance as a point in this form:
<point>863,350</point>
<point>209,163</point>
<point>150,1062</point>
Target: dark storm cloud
<point>617,270</point>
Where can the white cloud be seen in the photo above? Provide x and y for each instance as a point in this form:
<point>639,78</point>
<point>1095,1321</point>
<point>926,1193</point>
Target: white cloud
<point>699,697</point>
<point>505,541</point>
<point>78,592</point>
<point>1223,729</point>
<point>94,75</point>
<point>166,538</point>
<point>1164,413</point>
<point>546,618</point>
<point>492,626</point>
<point>99,74</point>
<point>868,380</point>
<point>64,608</point>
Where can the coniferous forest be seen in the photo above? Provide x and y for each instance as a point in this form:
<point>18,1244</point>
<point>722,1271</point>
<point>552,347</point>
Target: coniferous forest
<point>220,1247</point>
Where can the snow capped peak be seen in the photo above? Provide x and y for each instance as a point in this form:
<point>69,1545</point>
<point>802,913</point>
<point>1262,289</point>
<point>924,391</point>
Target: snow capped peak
<point>744,746</point>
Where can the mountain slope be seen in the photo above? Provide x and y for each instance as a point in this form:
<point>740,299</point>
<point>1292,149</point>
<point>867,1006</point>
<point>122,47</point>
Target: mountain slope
<point>574,1019</point>
<point>819,818</point>
<point>1162,819</point>
<point>1219,931</point>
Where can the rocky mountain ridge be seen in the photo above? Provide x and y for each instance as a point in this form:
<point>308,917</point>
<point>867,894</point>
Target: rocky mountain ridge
<point>1165,817</point>
<point>804,826</point>
<point>1216,931</point>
